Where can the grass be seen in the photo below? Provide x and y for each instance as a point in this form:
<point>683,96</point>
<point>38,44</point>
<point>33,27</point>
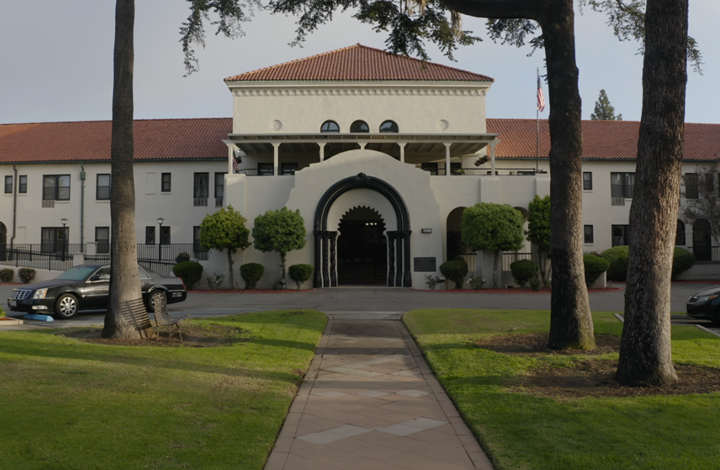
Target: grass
<point>523,431</point>
<point>68,404</point>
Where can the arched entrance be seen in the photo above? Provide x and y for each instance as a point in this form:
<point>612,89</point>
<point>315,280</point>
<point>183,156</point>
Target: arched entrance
<point>398,232</point>
<point>702,247</point>
<point>362,248</point>
<point>454,245</point>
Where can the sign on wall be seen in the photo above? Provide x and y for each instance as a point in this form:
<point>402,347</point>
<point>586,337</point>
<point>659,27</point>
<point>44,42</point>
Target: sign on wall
<point>424,265</point>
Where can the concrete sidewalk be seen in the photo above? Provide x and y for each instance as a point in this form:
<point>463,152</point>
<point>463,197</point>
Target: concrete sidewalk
<point>370,401</point>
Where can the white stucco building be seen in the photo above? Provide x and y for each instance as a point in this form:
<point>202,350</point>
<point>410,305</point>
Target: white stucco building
<point>376,151</point>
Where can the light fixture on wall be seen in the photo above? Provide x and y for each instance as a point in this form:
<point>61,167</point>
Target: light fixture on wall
<point>160,221</point>
<point>426,230</point>
<point>64,240</point>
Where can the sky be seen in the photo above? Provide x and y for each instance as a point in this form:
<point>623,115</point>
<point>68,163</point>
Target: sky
<point>56,62</point>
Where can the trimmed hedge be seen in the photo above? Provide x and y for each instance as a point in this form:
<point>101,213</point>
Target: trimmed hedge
<point>26,275</point>
<point>6,275</point>
<point>190,272</point>
<point>251,274</point>
<point>523,270</point>
<point>618,258</point>
<point>300,273</point>
<point>594,266</point>
<point>455,271</point>
<point>682,261</point>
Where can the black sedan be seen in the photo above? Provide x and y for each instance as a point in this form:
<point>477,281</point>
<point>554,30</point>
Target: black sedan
<point>705,305</point>
<point>86,287</point>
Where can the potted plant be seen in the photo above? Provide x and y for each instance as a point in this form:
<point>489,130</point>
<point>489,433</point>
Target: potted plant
<point>182,257</point>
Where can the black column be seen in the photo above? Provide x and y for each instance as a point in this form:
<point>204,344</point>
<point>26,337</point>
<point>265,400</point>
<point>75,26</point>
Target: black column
<point>333,256</point>
<point>391,258</point>
<point>407,279</point>
<point>325,264</point>
<point>317,276</point>
<point>398,258</point>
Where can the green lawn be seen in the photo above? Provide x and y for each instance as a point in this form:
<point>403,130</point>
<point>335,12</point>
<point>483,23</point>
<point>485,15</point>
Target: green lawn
<point>523,431</point>
<point>68,404</point>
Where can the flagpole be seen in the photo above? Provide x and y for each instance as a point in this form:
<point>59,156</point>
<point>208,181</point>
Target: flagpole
<point>537,136</point>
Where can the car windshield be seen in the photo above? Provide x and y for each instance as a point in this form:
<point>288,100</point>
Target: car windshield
<point>76,274</point>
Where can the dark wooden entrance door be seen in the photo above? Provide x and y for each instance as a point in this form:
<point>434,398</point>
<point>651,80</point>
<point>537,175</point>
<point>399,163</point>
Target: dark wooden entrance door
<point>702,246</point>
<point>362,250</point>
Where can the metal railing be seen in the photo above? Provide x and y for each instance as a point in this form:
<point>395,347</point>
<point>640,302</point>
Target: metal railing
<point>510,258</point>
<point>711,253</point>
<point>27,258</point>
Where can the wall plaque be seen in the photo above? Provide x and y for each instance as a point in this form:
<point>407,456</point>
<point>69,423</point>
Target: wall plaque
<point>424,265</point>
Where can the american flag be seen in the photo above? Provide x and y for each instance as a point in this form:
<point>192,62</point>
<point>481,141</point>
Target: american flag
<point>540,95</point>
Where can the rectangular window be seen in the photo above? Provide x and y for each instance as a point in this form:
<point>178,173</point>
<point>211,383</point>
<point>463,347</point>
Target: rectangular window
<point>200,252</point>
<point>54,239</point>
<point>56,187</point>
<point>266,169</point>
<point>201,189</point>
<point>587,180</point>
<point>709,183</point>
<point>166,182</point>
<point>431,167</point>
<point>149,235</point>
<point>455,168</point>
<point>289,168</point>
<point>102,192</point>
<point>165,235</point>
<point>691,185</point>
<point>220,185</point>
<point>589,235</point>
<point>23,184</point>
<point>8,185</point>
<point>102,239</point>
<point>622,185</point>
<point>620,235</point>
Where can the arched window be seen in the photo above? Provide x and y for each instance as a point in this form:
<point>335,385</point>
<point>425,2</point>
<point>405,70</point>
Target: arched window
<point>680,235</point>
<point>359,126</point>
<point>389,126</point>
<point>329,126</point>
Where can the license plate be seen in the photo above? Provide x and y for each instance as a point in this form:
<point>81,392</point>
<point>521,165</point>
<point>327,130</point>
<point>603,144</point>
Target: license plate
<point>12,303</point>
<point>176,294</point>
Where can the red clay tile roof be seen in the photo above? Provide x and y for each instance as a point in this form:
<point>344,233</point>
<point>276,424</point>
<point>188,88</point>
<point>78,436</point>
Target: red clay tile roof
<point>602,140</point>
<point>155,139</point>
<point>359,62</point>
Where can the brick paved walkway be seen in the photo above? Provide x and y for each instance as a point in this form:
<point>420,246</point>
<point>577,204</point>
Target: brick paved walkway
<point>370,402</point>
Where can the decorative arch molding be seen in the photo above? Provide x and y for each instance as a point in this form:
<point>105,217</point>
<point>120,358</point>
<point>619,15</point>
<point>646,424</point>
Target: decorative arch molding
<point>398,241</point>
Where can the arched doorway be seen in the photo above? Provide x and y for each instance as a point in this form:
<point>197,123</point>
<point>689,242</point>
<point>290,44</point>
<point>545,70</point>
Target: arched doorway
<point>3,242</point>
<point>454,245</point>
<point>398,232</point>
<point>702,247</point>
<point>362,248</point>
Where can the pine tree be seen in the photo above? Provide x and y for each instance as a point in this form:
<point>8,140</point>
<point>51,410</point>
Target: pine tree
<point>604,111</point>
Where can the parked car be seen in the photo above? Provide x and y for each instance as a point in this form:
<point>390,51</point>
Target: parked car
<point>86,287</point>
<point>705,305</point>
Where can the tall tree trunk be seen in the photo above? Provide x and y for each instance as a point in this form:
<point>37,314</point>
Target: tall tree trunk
<point>126,316</point>
<point>230,267</point>
<point>570,320</point>
<point>645,355</point>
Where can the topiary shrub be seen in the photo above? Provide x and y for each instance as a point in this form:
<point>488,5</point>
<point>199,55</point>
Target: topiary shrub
<point>617,256</point>
<point>523,270</point>
<point>26,275</point>
<point>455,271</point>
<point>300,273</point>
<point>594,266</point>
<point>6,275</point>
<point>190,272</point>
<point>682,261</point>
<point>251,274</point>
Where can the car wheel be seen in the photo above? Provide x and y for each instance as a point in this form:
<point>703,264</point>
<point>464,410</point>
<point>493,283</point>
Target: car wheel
<point>155,298</point>
<point>66,306</point>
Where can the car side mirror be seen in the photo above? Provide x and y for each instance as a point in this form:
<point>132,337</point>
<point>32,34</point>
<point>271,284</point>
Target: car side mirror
<point>94,278</point>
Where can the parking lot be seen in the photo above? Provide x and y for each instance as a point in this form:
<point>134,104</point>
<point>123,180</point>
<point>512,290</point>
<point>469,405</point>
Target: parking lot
<point>376,302</point>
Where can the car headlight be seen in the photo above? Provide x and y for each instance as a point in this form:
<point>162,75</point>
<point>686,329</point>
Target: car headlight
<point>40,294</point>
<point>705,298</point>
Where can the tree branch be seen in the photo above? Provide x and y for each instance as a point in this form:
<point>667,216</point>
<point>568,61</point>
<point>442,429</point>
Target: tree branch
<point>500,9</point>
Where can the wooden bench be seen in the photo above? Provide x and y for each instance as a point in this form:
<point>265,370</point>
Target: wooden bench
<point>163,319</point>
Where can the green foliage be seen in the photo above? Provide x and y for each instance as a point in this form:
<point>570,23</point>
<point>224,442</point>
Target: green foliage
<point>523,270</point>
<point>26,275</point>
<point>594,266</point>
<point>535,284</point>
<point>604,111</point>
<point>282,231</point>
<point>251,274</point>
<point>6,275</point>
<point>432,281</point>
<point>300,273</point>
<point>190,272</point>
<point>476,282</point>
<point>682,261</point>
<point>2,312</point>
<point>617,256</point>
<point>224,230</point>
<point>494,227</point>
<point>455,271</point>
<point>182,257</point>
<point>538,231</point>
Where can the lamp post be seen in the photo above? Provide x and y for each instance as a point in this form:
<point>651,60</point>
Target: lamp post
<point>64,236</point>
<point>160,221</point>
